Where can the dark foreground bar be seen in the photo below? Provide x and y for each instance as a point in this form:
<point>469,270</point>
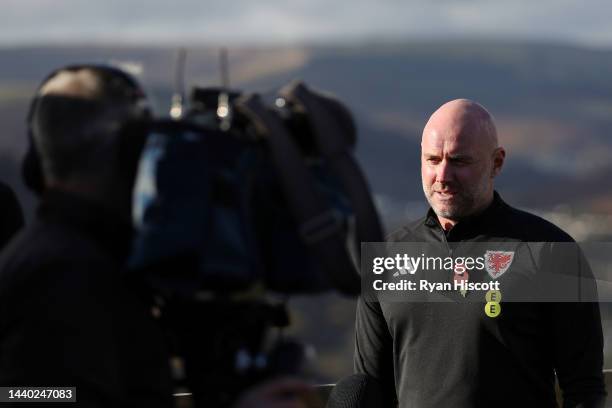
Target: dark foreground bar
<point>184,399</point>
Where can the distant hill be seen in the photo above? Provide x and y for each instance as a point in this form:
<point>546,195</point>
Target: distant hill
<point>553,103</point>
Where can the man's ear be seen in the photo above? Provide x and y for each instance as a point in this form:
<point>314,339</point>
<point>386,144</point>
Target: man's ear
<point>499,155</point>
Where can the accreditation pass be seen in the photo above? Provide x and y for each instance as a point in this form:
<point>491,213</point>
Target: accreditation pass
<point>37,394</point>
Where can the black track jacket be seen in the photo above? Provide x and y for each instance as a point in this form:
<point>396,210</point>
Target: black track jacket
<point>438,355</point>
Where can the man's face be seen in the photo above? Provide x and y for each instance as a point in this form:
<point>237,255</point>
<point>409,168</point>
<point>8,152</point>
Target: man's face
<point>456,170</point>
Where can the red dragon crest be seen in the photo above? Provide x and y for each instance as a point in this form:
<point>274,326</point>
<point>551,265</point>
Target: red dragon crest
<point>498,262</point>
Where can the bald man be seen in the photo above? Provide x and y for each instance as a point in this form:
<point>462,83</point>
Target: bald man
<point>455,354</point>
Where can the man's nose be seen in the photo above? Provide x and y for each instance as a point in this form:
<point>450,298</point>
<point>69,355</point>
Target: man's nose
<point>444,172</point>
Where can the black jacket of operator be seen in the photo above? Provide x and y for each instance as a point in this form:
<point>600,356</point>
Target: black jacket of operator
<point>67,318</point>
<point>11,216</point>
<point>453,355</point>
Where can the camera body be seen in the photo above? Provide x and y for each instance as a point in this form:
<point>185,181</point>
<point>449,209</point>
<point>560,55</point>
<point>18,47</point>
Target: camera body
<point>212,203</point>
<point>236,201</point>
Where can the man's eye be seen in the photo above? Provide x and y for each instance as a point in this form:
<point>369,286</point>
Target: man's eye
<point>433,160</point>
<point>460,162</point>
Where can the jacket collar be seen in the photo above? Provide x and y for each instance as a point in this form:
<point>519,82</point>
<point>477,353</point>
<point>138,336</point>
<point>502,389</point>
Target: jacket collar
<point>473,222</point>
<point>90,218</point>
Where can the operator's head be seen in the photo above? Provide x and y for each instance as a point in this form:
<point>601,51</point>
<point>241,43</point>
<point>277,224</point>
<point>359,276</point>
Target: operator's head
<point>460,157</point>
<point>78,125</point>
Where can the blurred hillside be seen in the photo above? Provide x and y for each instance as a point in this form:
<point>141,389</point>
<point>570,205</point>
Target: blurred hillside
<point>552,103</point>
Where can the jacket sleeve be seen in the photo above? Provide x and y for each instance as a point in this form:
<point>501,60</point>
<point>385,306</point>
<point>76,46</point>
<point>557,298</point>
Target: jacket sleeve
<point>374,348</point>
<point>576,332</point>
<point>578,353</point>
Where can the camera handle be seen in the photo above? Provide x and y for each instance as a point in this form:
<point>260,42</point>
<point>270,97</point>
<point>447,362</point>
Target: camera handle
<point>328,135</point>
<point>320,227</point>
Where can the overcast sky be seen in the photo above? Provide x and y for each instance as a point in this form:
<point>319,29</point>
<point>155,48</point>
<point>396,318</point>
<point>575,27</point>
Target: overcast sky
<point>301,21</point>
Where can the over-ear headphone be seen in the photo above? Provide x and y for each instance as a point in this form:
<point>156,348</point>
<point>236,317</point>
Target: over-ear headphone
<point>31,166</point>
<point>31,169</point>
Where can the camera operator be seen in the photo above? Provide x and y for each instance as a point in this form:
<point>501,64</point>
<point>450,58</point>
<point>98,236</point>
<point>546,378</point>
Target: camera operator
<point>68,316</point>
